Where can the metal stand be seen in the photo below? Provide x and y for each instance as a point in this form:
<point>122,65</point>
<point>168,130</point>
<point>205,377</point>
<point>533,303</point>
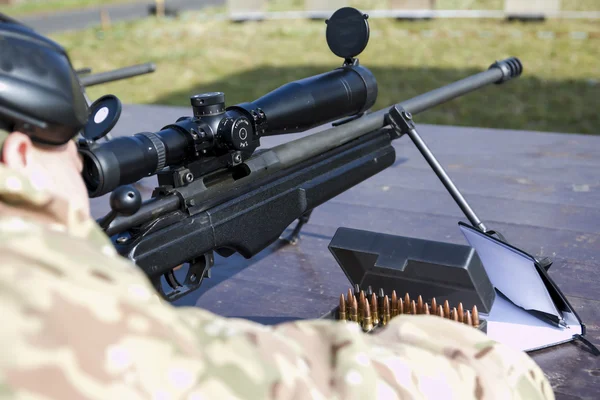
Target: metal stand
<point>295,235</point>
<point>402,123</point>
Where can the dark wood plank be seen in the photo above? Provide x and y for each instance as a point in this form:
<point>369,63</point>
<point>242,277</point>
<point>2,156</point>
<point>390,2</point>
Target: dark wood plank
<point>570,367</point>
<point>536,240</point>
<point>263,300</point>
<point>527,167</point>
<point>577,278</point>
<point>563,396</point>
<point>518,187</point>
<point>546,148</point>
<point>375,193</point>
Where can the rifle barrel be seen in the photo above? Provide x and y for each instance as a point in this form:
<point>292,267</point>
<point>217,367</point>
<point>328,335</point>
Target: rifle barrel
<point>293,152</point>
<point>456,89</point>
<point>84,71</point>
<point>117,74</point>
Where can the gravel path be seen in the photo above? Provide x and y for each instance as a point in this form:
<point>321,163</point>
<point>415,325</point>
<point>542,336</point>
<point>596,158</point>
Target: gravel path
<point>81,19</point>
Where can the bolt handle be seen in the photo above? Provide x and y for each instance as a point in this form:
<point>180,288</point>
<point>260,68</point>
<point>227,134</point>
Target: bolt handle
<point>125,200</point>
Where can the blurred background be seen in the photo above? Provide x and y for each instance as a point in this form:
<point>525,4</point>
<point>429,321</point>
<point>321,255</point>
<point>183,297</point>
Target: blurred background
<point>248,48</point>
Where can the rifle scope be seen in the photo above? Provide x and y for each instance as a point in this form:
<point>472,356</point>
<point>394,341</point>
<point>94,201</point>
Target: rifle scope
<point>217,131</point>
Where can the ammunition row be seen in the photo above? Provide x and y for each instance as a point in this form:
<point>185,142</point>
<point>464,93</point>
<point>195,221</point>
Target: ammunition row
<point>372,310</point>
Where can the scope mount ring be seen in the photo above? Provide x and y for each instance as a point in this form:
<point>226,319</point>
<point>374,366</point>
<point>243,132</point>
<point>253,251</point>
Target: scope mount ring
<point>347,33</point>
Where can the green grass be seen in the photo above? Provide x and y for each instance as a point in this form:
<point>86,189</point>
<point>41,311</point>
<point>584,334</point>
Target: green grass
<point>28,7</point>
<point>558,91</point>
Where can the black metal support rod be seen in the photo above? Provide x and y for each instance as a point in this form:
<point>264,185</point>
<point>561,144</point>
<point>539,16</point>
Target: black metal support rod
<point>446,180</point>
<point>451,91</point>
<point>84,71</point>
<point>117,74</point>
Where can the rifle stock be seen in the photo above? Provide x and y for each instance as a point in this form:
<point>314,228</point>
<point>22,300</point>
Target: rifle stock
<point>261,211</point>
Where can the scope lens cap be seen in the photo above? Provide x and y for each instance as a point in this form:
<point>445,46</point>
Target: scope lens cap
<point>347,32</point>
<point>104,114</point>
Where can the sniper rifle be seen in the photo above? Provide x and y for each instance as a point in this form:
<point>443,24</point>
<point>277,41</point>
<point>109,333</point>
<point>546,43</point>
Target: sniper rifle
<point>217,193</point>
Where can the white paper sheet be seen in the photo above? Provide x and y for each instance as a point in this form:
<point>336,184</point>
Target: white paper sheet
<point>513,273</point>
<point>514,327</point>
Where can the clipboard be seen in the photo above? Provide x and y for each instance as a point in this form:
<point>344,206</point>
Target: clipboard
<point>530,311</point>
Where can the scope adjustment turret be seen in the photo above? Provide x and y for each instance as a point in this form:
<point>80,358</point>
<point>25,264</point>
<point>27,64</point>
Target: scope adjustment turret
<point>237,132</point>
<point>212,103</point>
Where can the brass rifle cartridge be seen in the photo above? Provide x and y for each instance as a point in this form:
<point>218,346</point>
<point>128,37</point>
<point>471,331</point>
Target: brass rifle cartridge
<point>394,304</point>
<point>454,314</point>
<point>413,308</point>
<point>386,311</point>
<point>367,322</point>
<point>374,314</point>
<point>354,310</point>
<point>342,308</point>
<point>447,309</point>
<point>475,317</point>
<point>400,306</point>
<point>362,303</point>
<point>361,308</point>
<point>382,310</point>
<point>349,301</point>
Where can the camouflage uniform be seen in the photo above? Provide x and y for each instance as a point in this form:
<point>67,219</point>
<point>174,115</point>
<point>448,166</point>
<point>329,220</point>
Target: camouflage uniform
<point>80,322</point>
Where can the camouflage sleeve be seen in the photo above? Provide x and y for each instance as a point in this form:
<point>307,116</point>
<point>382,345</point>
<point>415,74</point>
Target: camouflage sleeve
<point>414,357</point>
<point>86,325</point>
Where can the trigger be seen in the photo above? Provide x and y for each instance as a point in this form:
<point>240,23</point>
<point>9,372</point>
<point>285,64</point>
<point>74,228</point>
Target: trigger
<point>171,280</point>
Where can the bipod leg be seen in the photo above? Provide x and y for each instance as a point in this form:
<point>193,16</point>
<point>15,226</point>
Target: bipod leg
<point>295,235</point>
<point>401,121</point>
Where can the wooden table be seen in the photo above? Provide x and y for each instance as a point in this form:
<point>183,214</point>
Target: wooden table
<point>541,190</point>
